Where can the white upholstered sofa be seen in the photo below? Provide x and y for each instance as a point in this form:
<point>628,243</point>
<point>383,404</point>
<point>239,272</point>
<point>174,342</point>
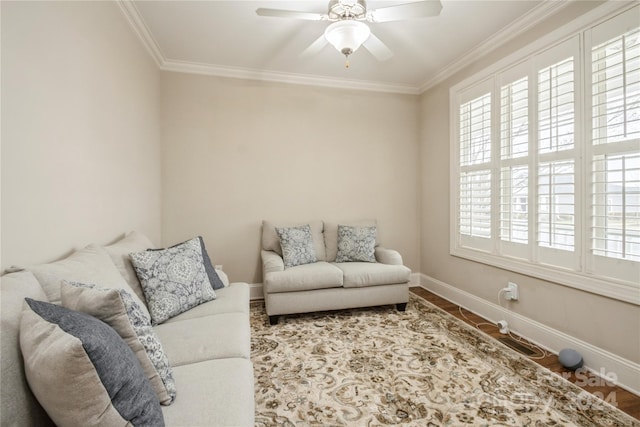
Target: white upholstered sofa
<point>327,284</point>
<point>208,347</point>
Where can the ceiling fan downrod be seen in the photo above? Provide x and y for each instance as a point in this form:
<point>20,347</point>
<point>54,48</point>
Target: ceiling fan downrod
<point>347,9</point>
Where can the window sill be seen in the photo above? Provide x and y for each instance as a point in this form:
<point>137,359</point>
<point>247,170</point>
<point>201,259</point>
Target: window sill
<point>619,290</point>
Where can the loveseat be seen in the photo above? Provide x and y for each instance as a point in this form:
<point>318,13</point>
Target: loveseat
<point>341,266</point>
<point>207,347</point>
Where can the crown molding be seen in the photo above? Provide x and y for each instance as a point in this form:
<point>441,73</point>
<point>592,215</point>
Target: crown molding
<point>281,77</point>
<point>131,13</point>
<point>511,31</point>
<point>532,18</point>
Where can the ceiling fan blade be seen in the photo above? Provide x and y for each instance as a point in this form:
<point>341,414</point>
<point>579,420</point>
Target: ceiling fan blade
<point>419,9</point>
<point>314,47</point>
<point>377,48</point>
<point>280,13</point>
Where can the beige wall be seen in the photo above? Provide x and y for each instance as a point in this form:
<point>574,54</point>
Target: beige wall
<point>238,151</point>
<point>609,324</point>
<point>80,132</point>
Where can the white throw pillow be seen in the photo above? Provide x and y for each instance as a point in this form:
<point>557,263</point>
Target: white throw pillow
<point>89,265</point>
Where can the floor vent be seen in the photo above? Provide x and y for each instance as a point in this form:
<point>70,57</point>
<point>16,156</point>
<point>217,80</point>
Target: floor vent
<point>510,342</point>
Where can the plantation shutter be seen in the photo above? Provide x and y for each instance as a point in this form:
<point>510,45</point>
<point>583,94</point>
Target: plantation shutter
<point>514,161</point>
<point>475,139</point>
<point>615,147</point>
<point>556,157</point>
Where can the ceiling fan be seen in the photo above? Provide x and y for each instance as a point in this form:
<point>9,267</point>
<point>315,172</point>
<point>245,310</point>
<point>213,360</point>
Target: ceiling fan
<point>349,31</point>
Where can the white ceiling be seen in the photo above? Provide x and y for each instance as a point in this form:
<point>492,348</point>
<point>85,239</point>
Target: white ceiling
<point>227,38</point>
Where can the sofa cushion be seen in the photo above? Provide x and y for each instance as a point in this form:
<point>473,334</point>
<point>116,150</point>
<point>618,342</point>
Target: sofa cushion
<point>356,244</point>
<point>82,372</point>
<point>119,253</point>
<point>173,280</point>
<point>360,274</point>
<point>331,235</point>
<point>270,241</point>
<point>18,405</point>
<point>118,309</point>
<point>297,245</point>
<point>318,275</point>
<point>89,265</point>
<point>232,299</point>
<point>204,338</point>
<point>213,393</point>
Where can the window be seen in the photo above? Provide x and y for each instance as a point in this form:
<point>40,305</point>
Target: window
<point>546,154</point>
<point>475,162</point>
<point>514,169</point>
<point>615,159</point>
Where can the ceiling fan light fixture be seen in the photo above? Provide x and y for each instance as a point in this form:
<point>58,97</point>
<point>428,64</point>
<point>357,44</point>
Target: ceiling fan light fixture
<point>347,36</point>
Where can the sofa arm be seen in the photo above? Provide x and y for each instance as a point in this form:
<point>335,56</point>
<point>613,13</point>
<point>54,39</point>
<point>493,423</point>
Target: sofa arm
<point>388,256</point>
<point>271,262</point>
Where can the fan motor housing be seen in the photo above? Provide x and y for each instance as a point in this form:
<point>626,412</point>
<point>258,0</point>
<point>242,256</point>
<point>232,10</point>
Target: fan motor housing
<point>347,9</point>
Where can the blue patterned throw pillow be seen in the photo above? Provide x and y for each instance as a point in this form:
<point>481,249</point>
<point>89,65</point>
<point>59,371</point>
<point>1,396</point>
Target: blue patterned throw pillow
<point>297,245</point>
<point>356,244</point>
<point>118,309</point>
<point>214,277</point>
<point>173,280</point>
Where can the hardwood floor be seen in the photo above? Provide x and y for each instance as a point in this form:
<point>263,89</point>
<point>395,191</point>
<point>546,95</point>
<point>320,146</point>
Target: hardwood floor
<point>619,397</point>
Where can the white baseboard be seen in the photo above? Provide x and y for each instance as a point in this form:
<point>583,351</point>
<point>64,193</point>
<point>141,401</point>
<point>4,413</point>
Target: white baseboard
<point>596,359</point>
<point>255,291</point>
<point>415,280</point>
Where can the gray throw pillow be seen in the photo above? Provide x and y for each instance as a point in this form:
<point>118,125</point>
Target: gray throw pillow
<point>82,372</point>
<point>118,309</point>
<point>173,280</point>
<point>214,279</point>
<point>297,245</point>
<point>356,244</point>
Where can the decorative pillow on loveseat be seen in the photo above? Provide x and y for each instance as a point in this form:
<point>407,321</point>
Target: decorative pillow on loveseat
<point>82,372</point>
<point>173,280</point>
<point>118,309</point>
<point>356,244</point>
<point>297,245</point>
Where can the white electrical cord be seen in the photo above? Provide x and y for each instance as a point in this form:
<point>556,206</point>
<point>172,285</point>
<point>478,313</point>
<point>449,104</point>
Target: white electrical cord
<point>520,340</point>
<point>500,292</point>
<point>542,351</point>
<point>527,344</point>
<point>477,325</point>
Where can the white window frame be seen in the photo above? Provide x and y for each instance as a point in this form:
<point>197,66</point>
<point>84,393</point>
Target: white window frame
<point>578,270</point>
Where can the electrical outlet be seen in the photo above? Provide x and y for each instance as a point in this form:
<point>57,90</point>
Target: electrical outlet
<point>513,291</point>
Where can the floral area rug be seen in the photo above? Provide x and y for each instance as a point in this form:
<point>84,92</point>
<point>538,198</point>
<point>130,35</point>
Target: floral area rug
<point>422,367</point>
